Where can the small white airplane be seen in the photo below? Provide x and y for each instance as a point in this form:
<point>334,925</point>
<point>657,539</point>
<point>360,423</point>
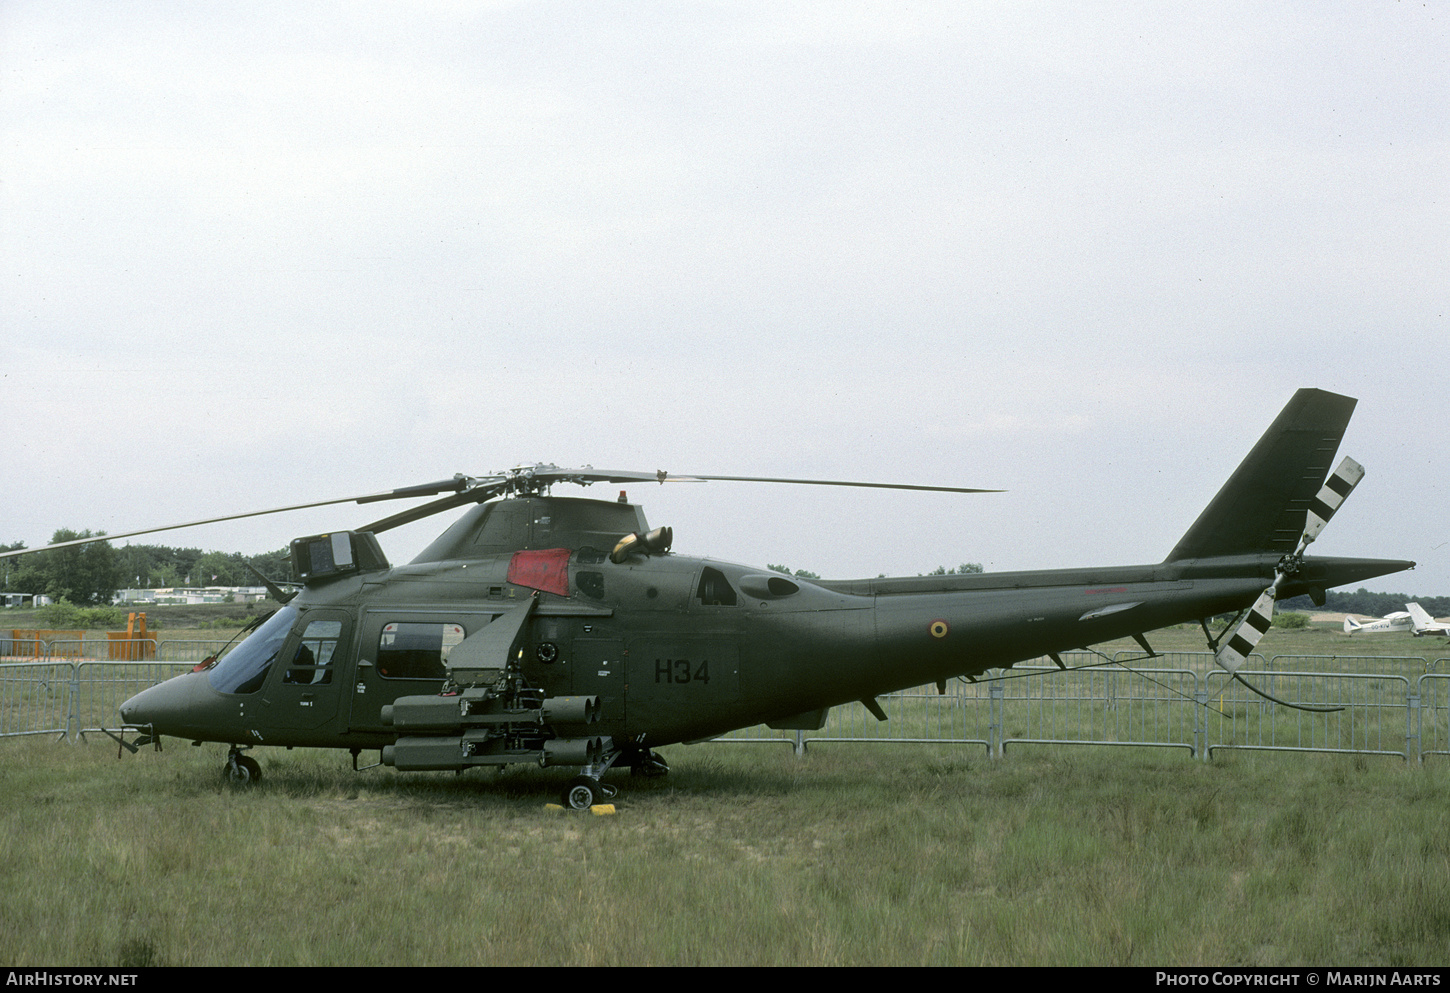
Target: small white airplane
<point>1413,619</point>
<point>1424,624</point>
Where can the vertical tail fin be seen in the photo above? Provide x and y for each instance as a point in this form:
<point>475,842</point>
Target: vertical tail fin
<point>1265,504</point>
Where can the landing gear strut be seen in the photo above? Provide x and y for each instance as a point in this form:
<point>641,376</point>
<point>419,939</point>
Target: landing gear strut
<point>647,763</point>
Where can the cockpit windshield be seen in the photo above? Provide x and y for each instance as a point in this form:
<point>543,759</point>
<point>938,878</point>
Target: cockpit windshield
<point>244,668</point>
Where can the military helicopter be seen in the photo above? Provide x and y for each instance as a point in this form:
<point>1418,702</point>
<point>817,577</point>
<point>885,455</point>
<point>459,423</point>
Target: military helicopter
<point>561,631</point>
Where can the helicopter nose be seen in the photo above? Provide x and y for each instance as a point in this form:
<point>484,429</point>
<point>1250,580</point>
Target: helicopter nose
<point>133,709</point>
<point>166,708</point>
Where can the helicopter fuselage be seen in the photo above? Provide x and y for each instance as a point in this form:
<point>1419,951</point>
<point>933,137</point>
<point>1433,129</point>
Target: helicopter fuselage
<point>565,632</point>
<point>674,648</point>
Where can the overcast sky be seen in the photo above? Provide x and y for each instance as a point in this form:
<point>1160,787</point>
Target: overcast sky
<point>257,254</point>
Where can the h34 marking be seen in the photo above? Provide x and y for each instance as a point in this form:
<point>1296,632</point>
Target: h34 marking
<point>681,671</point>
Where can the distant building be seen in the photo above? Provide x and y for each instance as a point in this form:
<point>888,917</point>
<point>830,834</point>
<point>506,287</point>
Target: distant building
<point>192,594</point>
<point>24,599</point>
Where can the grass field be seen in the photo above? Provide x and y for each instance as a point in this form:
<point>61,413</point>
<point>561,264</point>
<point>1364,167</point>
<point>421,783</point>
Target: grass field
<point>869,855</point>
<point>856,854</point>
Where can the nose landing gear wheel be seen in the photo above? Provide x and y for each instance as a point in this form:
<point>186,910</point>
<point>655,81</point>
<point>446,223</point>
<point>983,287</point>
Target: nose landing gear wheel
<point>241,770</point>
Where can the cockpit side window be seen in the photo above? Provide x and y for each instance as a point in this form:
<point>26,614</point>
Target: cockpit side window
<point>311,662</point>
<point>714,590</point>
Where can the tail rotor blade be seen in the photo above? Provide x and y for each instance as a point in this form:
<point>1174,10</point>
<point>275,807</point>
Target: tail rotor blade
<point>1331,497</point>
<point>1332,494</point>
<point>1245,639</point>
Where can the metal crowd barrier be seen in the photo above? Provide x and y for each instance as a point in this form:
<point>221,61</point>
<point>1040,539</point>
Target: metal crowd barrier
<point>71,686</point>
<point>1362,705</point>
<point>101,687</point>
<point>34,697</point>
<point>1434,711</point>
<point>98,647</point>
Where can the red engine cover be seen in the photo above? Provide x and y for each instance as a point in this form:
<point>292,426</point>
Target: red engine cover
<point>546,570</point>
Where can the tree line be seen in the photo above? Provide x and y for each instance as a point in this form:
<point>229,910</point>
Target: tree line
<point>1362,601</point>
<point>90,575</point>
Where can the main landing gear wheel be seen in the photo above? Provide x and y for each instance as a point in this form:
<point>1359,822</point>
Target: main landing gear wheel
<point>584,791</point>
<point>241,770</point>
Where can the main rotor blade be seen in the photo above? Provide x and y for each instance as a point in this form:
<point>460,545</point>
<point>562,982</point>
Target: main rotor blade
<point>548,475</point>
<point>476,490</point>
<point>457,484</point>
<point>409,491</point>
<point>844,482</point>
<point>476,495</point>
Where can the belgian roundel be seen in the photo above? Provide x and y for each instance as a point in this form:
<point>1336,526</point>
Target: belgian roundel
<point>938,629</point>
